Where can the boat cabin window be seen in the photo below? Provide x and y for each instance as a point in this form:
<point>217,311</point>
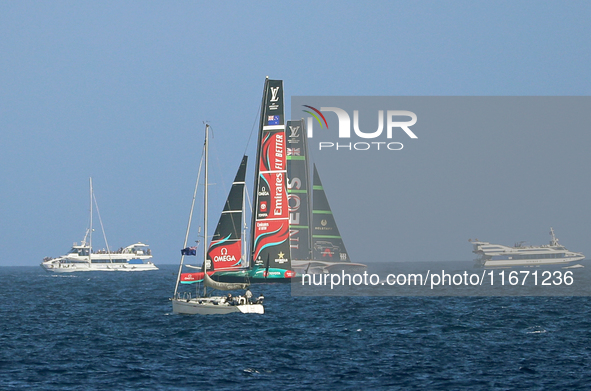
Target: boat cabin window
<point>138,250</point>
<point>79,251</point>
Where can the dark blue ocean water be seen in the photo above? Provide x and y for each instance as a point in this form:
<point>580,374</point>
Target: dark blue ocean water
<point>116,331</point>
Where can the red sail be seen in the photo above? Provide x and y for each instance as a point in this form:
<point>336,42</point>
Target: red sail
<point>270,245</point>
<point>225,255</point>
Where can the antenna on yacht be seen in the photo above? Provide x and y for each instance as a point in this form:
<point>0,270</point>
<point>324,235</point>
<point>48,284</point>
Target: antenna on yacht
<point>553,241</point>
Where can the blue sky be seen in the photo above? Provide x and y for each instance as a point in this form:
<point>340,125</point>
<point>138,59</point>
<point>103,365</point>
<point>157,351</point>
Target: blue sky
<point>119,91</point>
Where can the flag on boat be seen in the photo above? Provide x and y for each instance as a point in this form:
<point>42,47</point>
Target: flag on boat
<point>293,152</point>
<point>189,251</point>
<point>273,120</point>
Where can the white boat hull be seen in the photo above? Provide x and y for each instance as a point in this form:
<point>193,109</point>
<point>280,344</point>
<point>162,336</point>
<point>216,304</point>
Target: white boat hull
<point>531,262</point>
<point>81,258</point>
<point>59,267</point>
<point>497,255</point>
<point>213,306</point>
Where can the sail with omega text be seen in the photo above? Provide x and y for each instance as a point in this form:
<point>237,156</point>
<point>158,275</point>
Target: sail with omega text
<point>225,250</point>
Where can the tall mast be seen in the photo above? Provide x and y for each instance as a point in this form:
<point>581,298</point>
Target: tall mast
<point>176,287</point>
<point>90,228</point>
<point>251,260</point>
<point>205,246</point>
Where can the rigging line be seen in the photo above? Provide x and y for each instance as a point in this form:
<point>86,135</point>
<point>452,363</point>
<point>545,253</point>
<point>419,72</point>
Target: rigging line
<point>189,222</point>
<point>193,201</point>
<point>224,186</point>
<point>102,228</point>
<point>247,198</point>
<point>253,126</point>
<point>246,228</point>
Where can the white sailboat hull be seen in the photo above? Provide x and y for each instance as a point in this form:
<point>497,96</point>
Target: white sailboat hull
<point>213,306</point>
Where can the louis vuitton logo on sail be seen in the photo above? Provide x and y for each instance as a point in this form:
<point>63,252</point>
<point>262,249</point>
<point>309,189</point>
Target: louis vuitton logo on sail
<point>274,98</point>
<point>294,131</point>
<point>392,122</point>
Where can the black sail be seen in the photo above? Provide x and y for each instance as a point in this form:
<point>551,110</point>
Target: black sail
<point>298,190</point>
<point>327,244</point>
<point>270,238</point>
<point>225,250</point>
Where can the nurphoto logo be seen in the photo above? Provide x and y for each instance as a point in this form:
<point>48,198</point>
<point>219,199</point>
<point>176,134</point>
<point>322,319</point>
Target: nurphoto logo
<point>395,120</point>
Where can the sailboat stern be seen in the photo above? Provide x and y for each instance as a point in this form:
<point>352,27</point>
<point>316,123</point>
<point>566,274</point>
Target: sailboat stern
<point>251,309</point>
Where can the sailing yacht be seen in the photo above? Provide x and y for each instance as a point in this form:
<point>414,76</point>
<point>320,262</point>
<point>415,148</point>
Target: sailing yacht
<point>82,257</point>
<point>294,231</point>
<point>224,253</point>
<point>315,242</point>
<point>269,257</point>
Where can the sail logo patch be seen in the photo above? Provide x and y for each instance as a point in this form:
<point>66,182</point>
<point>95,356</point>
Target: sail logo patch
<point>294,135</point>
<point>280,259</point>
<point>274,94</point>
<point>293,131</point>
<point>224,257</point>
<point>274,98</point>
<point>273,120</point>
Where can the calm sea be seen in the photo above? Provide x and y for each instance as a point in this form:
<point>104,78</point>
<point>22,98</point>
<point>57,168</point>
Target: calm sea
<point>116,331</point>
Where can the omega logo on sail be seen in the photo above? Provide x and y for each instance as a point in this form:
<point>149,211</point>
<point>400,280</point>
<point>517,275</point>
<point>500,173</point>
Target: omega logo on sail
<point>224,257</point>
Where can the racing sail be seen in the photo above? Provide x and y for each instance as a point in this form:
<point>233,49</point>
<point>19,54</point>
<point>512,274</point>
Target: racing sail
<point>270,238</point>
<point>327,244</point>
<point>225,250</point>
<point>298,190</point>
